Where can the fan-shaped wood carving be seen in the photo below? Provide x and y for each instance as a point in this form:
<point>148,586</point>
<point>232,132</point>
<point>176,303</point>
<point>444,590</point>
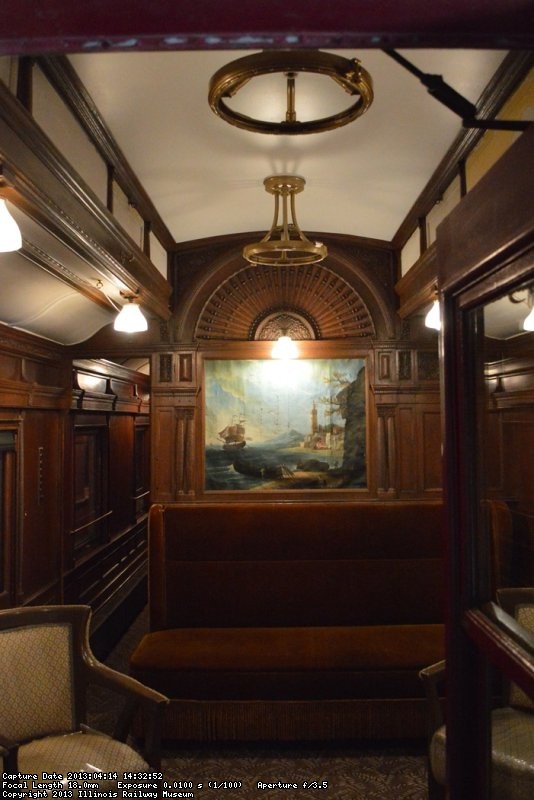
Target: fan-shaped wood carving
<point>331,306</point>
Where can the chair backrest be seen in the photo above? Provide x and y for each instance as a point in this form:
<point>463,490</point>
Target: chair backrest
<point>519,603</point>
<point>37,671</point>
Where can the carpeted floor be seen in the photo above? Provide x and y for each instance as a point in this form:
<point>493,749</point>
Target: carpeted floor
<point>356,772</point>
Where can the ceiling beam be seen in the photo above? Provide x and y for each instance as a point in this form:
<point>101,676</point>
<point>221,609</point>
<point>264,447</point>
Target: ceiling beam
<point>64,26</point>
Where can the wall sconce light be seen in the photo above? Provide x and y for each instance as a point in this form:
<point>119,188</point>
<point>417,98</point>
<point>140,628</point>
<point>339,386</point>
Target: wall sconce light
<point>10,236</point>
<point>433,318</point>
<point>284,348</point>
<point>528,322</point>
<point>130,318</point>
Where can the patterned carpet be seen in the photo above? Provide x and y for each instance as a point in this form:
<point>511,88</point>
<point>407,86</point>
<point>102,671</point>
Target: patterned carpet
<point>390,772</point>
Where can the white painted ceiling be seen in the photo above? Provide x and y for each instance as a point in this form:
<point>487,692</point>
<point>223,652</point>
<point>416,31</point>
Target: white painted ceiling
<point>205,176</point>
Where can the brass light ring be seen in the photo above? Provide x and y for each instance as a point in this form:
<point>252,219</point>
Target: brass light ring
<point>348,73</point>
<point>273,253</point>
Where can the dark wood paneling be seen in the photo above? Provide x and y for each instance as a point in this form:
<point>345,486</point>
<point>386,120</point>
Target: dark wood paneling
<point>484,250</point>
<point>33,372</point>
<point>39,546</point>
<point>480,233</point>
<point>50,192</point>
<point>403,416</point>
<point>72,519</point>
<point>105,579</point>
<point>121,471</point>
<point>8,511</point>
<point>430,449</point>
<point>514,69</point>
<point>417,287</point>
<point>358,282</point>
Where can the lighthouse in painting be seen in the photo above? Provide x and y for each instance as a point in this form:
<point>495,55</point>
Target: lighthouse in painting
<point>314,427</point>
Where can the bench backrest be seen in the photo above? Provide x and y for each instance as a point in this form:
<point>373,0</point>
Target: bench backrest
<point>295,563</point>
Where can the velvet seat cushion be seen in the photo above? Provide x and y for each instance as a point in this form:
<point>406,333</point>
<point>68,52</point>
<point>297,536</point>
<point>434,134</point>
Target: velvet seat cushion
<point>288,663</point>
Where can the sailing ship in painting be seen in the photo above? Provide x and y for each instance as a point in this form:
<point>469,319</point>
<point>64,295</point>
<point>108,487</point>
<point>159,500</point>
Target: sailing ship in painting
<point>233,435</point>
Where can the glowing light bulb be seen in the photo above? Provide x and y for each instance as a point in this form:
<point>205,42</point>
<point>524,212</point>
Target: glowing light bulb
<point>285,348</point>
<point>10,236</point>
<point>130,319</point>
<point>433,319</point>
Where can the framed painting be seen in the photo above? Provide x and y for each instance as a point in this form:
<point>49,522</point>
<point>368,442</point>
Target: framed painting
<point>285,425</point>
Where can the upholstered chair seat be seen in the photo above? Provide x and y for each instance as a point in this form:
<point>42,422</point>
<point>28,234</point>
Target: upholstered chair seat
<point>512,757</point>
<point>46,666</point>
<point>512,725</point>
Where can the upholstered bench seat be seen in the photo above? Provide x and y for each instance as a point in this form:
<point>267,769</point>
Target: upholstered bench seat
<point>298,662</point>
<point>293,621</point>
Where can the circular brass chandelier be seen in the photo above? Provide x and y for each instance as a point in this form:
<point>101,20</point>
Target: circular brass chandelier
<point>347,73</point>
<point>284,243</point>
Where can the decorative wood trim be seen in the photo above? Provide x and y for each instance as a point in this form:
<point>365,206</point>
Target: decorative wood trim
<point>333,307</point>
<point>481,253</point>
<point>416,288</point>
<point>64,79</point>
<point>514,68</point>
<point>110,388</point>
<point>46,188</point>
<point>42,259</point>
<point>476,236</point>
<point>25,82</point>
<point>366,268</point>
<point>501,646</point>
<point>33,372</point>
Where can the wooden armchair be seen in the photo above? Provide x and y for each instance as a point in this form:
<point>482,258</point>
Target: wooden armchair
<point>512,727</point>
<point>46,666</point>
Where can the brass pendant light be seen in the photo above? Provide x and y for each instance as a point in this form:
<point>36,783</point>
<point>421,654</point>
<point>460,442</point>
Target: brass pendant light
<point>284,243</point>
<point>345,72</point>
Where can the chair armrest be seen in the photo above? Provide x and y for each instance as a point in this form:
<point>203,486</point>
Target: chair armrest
<point>122,684</point>
<point>432,677</point>
<point>503,615</point>
<point>137,696</point>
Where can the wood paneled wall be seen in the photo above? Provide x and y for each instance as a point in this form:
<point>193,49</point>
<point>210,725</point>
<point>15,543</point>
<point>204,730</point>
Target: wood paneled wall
<point>403,421</point>
<point>510,431</point>
<point>403,401</point>
<point>74,474</point>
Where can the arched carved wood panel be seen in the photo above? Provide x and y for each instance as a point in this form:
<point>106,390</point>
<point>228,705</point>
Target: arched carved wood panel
<point>217,295</point>
<point>239,306</point>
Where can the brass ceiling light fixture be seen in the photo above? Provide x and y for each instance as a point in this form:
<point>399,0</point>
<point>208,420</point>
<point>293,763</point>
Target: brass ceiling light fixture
<point>284,243</point>
<point>347,73</point>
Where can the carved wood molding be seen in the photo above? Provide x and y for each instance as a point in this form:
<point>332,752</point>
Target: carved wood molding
<point>514,68</point>
<point>62,76</point>
<point>99,385</point>
<point>415,288</point>
<point>365,267</point>
<point>46,188</point>
<point>330,304</point>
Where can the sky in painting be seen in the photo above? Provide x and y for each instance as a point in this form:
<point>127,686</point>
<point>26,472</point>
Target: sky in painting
<point>273,397</point>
